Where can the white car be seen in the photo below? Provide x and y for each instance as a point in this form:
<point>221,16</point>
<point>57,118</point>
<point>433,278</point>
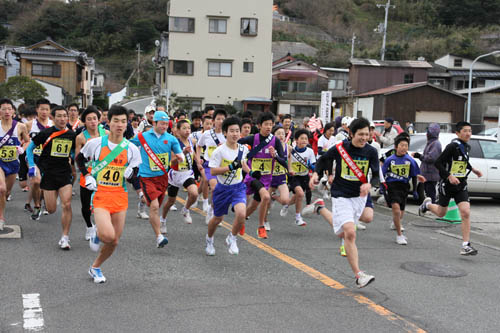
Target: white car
<point>484,156</point>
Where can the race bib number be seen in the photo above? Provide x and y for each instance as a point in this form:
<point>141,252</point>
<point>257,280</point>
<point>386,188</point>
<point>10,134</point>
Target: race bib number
<point>61,147</point>
<point>402,170</point>
<point>163,159</point>
<point>299,168</point>
<point>38,150</point>
<point>278,169</point>
<point>111,176</point>
<point>8,153</point>
<point>183,166</point>
<point>225,163</point>
<point>264,165</point>
<point>211,150</point>
<point>347,174</point>
<point>459,169</point>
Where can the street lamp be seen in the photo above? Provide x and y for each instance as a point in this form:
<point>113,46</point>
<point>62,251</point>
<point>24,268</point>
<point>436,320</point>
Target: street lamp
<point>470,80</point>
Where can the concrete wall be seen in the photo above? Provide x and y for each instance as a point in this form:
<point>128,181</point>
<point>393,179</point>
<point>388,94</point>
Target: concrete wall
<point>202,45</point>
<point>365,105</point>
<point>55,94</point>
<point>480,104</point>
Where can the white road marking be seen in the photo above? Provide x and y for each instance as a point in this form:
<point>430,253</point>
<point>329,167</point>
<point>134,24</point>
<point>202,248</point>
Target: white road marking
<point>33,314</point>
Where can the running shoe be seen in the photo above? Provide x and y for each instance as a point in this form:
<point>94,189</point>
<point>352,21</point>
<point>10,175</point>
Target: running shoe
<point>141,211</point>
<point>364,279</point>
<point>314,207</point>
<point>88,234</point>
<point>361,226</point>
<point>45,211</point>
<point>96,274</point>
<point>242,229</point>
<point>393,226</point>
<point>401,240</point>
<point>468,250</point>
<point>161,241</point>
<point>37,212</point>
<point>284,211</point>
<point>163,226</point>
<point>94,242</point>
<point>64,243</point>
<point>210,249</point>
<point>267,226</point>
<point>262,233</point>
<point>173,208</point>
<point>309,209</point>
<point>186,215</point>
<point>423,207</point>
<point>232,246</point>
<point>9,198</point>
<point>27,208</point>
<point>342,251</point>
<point>300,222</point>
<point>210,214</point>
<point>2,224</point>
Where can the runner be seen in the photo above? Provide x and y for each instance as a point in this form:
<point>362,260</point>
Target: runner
<point>12,133</point>
<point>280,180</point>
<point>114,159</point>
<point>211,140</point>
<point>90,118</point>
<point>454,168</point>
<point>34,127</point>
<point>301,159</point>
<point>156,146</point>
<point>181,174</point>
<point>343,132</point>
<point>74,124</point>
<point>266,149</point>
<point>288,127</point>
<point>57,144</point>
<point>147,122</point>
<point>225,164</point>
<point>349,189</point>
<point>325,142</point>
<point>27,114</point>
<point>199,171</point>
<point>398,170</point>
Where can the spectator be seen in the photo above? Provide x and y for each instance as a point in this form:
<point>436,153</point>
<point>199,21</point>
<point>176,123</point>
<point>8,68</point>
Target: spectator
<point>410,128</point>
<point>305,123</point>
<point>389,134</point>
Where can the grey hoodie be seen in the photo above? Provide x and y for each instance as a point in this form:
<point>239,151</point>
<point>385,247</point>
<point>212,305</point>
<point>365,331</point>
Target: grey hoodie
<point>431,152</point>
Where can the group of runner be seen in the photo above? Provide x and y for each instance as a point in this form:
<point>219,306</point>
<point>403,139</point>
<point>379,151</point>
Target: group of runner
<point>215,158</point>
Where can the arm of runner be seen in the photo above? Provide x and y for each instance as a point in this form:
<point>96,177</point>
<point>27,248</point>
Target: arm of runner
<point>79,143</point>
<point>280,154</point>
<point>442,160</point>
<point>247,140</point>
<point>325,162</point>
<point>29,154</point>
<point>375,167</point>
<point>179,153</point>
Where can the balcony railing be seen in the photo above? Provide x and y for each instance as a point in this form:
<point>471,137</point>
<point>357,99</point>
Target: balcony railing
<point>309,96</point>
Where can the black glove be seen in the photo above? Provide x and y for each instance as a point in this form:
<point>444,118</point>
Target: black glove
<point>255,174</point>
<point>235,165</point>
<point>417,155</point>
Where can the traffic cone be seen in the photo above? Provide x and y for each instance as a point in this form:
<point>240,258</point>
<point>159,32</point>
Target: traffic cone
<point>452,215</point>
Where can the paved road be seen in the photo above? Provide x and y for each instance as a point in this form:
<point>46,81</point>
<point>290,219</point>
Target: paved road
<point>295,281</point>
<point>139,105</point>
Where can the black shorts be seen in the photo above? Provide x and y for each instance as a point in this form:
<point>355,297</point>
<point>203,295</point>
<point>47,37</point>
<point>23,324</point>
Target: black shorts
<point>173,190</point>
<point>53,182</point>
<point>397,192</point>
<point>447,192</point>
<point>23,168</point>
<point>302,181</point>
<point>256,185</point>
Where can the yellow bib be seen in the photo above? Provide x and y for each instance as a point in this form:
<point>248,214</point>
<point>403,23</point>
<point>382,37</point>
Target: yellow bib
<point>459,169</point>
<point>111,175</point>
<point>164,159</point>
<point>183,166</point>
<point>347,173</point>
<point>264,165</point>
<point>299,169</point>
<point>225,163</point>
<point>211,150</point>
<point>278,169</point>
<point>402,170</point>
<point>38,150</point>
<point>61,147</point>
<point>8,153</point>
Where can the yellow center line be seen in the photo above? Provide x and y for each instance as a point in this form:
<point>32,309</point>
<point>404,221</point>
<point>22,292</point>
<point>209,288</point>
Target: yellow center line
<point>326,280</point>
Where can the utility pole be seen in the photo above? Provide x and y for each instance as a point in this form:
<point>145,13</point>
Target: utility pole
<point>387,6</point>
<point>138,64</point>
<point>352,44</point>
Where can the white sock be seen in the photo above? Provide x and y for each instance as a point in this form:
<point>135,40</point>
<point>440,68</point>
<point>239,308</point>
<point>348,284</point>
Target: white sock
<point>65,237</point>
<point>210,238</point>
<point>163,220</point>
<point>342,244</point>
<point>464,244</point>
<point>297,216</point>
<point>205,201</point>
<point>427,205</point>
<point>159,237</point>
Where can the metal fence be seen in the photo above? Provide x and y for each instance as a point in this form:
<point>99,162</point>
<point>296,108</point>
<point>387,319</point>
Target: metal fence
<point>447,127</point>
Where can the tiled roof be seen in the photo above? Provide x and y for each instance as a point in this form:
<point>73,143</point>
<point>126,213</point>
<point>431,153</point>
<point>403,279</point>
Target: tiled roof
<point>478,90</point>
<point>390,63</point>
<point>402,87</point>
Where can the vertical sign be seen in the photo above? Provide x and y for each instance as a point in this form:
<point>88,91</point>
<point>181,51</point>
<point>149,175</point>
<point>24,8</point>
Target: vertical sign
<point>326,106</point>
<point>498,128</point>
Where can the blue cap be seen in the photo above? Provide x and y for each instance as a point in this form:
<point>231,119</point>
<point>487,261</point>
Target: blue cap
<point>160,116</point>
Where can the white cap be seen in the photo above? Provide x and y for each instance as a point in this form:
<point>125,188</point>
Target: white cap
<point>149,108</point>
<point>346,121</point>
<point>372,124</point>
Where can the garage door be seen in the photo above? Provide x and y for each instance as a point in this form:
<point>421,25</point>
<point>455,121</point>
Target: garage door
<point>433,117</point>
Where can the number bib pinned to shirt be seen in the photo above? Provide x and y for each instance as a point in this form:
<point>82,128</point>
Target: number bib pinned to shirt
<point>402,170</point>
<point>183,166</point>
<point>164,160</point>
<point>226,163</point>
<point>111,175</point>
<point>459,169</point>
<point>278,169</point>
<point>8,153</point>
<point>61,147</point>
<point>264,165</point>
<point>211,150</point>
<point>299,169</point>
<point>347,174</point>
<point>38,150</point>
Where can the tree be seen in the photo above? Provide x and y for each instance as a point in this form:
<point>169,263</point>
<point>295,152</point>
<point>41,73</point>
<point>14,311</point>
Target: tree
<point>4,33</point>
<point>22,87</point>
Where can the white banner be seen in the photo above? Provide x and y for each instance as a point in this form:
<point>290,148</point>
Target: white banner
<point>325,112</point>
<point>498,128</point>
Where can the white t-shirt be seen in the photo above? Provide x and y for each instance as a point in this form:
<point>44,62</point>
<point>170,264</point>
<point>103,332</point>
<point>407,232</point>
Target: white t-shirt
<point>196,135</point>
<point>297,167</point>
<point>329,143</point>
<point>223,156</point>
<point>207,140</point>
<point>92,150</point>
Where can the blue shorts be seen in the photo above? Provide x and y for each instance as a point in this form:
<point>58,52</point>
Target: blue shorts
<point>228,195</point>
<point>208,175</point>
<point>278,181</point>
<point>369,202</point>
<point>9,168</point>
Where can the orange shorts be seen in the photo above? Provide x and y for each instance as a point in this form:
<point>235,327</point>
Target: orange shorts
<point>113,202</point>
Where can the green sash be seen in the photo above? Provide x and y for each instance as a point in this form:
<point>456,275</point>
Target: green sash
<point>110,157</point>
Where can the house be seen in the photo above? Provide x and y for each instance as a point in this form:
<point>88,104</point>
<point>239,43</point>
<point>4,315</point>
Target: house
<point>53,63</point>
<point>297,87</point>
<point>9,66</point>
<point>369,74</point>
<point>485,105</point>
<point>98,79</point>
<point>282,49</point>
<point>419,102</point>
<point>338,80</point>
<point>219,52</point>
<point>452,72</point>
<point>55,94</point>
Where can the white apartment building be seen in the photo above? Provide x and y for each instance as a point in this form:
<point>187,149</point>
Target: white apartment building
<point>219,52</point>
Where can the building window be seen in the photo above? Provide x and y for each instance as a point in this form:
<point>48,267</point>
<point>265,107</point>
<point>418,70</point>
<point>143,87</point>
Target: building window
<point>457,63</point>
<point>180,67</point>
<point>191,104</point>
<point>437,82</point>
<point>181,24</point>
<point>248,67</point>
<point>220,68</point>
<point>86,76</point>
<point>298,86</point>
<point>461,84</point>
<point>249,27</point>
<point>408,78</point>
<point>217,26</point>
<point>46,69</point>
<point>336,84</point>
<point>302,111</point>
